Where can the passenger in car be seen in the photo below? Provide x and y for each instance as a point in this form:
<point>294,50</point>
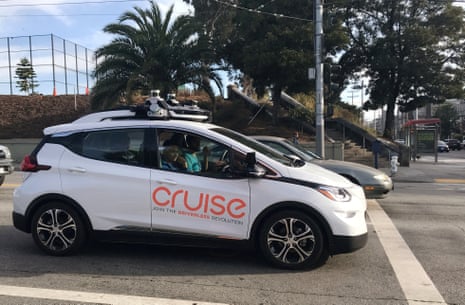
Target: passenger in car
<point>172,159</point>
<point>190,154</point>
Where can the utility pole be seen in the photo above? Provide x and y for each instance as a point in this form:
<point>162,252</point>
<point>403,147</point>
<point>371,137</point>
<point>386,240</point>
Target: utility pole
<point>319,115</point>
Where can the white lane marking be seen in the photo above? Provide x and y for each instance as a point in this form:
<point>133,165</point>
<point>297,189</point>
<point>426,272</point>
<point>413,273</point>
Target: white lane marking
<point>414,281</point>
<point>10,185</point>
<point>89,297</point>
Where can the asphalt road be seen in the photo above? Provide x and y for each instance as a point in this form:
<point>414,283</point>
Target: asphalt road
<point>416,260</point>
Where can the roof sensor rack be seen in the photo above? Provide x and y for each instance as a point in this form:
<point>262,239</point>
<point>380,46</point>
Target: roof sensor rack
<point>154,108</point>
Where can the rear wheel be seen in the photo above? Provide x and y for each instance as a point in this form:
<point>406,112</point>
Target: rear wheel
<point>2,179</point>
<point>58,229</point>
<point>292,240</point>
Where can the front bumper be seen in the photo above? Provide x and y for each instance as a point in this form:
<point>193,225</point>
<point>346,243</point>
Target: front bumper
<point>6,167</point>
<point>347,244</point>
<point>377,192</point>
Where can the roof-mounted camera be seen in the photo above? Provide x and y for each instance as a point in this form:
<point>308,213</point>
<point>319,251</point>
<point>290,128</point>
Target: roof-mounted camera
<point>156,107</point>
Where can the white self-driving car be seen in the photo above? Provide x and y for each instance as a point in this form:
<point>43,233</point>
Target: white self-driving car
<point>118,176</point>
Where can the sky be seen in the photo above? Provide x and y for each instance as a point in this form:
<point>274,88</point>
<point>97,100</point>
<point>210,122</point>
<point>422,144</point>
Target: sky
<point>79,21</point>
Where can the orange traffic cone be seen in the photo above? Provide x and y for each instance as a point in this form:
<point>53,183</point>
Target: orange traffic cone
<point>54,91</point>
<point>87,91</point>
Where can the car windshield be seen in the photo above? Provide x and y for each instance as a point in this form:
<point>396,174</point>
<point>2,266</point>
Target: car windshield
<point>304,150</point>
<point>254,145</point>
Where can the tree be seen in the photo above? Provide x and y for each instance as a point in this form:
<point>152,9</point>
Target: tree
<point>449,117</point>
<point>412,51</point>
<point>26,75</point>
<point>148,53</point>
<point>271,43</point>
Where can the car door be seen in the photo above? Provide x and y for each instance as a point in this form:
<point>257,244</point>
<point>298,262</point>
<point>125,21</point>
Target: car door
<point>104,173</point>
<point>210,202</point>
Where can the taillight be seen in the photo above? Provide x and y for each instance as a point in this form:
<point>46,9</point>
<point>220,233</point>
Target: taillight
<point>30,164</point>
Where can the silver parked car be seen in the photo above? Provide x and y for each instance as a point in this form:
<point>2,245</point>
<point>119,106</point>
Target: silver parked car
<point>375,183</point>
<point>443,147</point>
<point>6,163</point>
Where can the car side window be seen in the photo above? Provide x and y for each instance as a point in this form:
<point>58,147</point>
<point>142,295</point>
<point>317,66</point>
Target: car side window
<point>194,154</point>
<point>123,146</point>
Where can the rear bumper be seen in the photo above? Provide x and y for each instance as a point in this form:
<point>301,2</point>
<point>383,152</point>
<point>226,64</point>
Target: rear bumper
<point>346,244</point>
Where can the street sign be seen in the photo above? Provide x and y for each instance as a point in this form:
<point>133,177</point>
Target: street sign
<point>311,73</point>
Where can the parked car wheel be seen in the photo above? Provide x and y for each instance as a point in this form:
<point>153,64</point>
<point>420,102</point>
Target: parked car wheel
<point>2,179</point>
<point>292,240</point>
<point>57,229</point>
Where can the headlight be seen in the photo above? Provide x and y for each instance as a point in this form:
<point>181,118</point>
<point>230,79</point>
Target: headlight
<point>335,193</point>
<point>382,177</point>
<point>7,152</point>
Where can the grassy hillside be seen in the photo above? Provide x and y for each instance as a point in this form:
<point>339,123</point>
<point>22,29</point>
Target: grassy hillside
<point>27,116</point>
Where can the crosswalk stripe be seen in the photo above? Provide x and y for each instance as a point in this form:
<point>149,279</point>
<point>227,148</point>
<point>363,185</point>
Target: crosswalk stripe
<point>90,297</point>
<point>450,181</point>
<point>413,279</point>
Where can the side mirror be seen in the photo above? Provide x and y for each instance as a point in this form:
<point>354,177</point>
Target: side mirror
<point>253,169</point>
<point>295,161</point>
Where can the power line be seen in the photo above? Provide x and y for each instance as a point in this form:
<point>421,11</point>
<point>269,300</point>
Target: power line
<point>257,11</point>
<point>62,15</point>
<point>341,2</point>
<point>68,3</point>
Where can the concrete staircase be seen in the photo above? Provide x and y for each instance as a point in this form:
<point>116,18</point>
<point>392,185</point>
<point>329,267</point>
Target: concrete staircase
<point>354,152</point>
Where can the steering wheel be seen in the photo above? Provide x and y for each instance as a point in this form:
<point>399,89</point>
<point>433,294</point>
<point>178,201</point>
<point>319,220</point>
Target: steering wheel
<point>226,168</point>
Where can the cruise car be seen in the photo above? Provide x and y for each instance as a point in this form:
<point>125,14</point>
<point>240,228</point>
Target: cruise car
<point>103,176</point>
<point>6,163</point>
<point>375,183</point>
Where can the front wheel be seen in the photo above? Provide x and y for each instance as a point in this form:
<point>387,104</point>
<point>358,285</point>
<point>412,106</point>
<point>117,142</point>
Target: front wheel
<point>292,240</point>
<point>2,179</point>
<point>57,229</point>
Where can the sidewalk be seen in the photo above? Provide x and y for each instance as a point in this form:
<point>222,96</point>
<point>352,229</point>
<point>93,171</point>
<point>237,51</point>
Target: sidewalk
<point>425,170</point>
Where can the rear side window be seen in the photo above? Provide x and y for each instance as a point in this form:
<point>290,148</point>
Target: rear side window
<point>123,146</point>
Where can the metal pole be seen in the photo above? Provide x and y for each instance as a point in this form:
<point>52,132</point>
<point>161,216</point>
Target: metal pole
<point>77,70</point>
<point>66,68</point>
<point>361,93</point>
<point>53,65</point>
<point>9,65</point>
<point>32,64</point>
<point>87,73</point>
<point>319,117</point>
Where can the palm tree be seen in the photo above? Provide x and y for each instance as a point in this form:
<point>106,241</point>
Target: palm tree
<point>148,53</point>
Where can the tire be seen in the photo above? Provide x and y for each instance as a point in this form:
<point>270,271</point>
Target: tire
<point>57,229</point>
<point>2,179</point>
<point>292,240</point>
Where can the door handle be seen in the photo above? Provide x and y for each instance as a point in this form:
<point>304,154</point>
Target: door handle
<point>77,170</point>
<point>167,181</point>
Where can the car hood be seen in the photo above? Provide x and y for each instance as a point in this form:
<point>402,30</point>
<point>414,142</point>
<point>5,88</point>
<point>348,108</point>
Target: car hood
<point>315,173</point>
<point>348,167</point>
